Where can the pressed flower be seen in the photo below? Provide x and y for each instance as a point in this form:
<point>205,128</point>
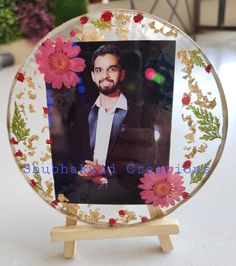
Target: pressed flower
<point>138,18</point>
<point>20,77</point>
<point>163,188</point>
<point>83,20</point>
<point>106,16</point>
<point>187,164</point>
<point>58,62</point>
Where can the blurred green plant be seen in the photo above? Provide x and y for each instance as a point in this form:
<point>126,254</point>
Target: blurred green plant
<point>65,10</point>
<point>9,28</point>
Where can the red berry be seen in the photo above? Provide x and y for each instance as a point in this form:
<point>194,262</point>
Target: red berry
<point>83,20</point>
<point>49,141</point>
<point>138,18</point>
<point>20,77</point>
<point>33,183</point>
<point>45,110</point>
<point>106,16</point>
<point>19,153</point>
<point>13,141</point>
<point>112,221</point>
<point>121,212</point>
<point>185,195</point>
<point>72,33</point>
<point>54,203</point>
<point>186,99</point>
<point>208,68</point>
<point>187,164</point>
<point>144,219</point>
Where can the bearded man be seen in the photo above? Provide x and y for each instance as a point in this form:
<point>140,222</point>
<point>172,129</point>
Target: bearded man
<point>111,138</point>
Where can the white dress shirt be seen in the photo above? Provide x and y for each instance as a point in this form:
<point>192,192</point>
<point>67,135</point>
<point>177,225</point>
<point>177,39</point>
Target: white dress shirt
<point>104,125</point>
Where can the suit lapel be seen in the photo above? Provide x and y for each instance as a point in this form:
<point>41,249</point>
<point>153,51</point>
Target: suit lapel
<point>92,119</point>
<point>116,127</point>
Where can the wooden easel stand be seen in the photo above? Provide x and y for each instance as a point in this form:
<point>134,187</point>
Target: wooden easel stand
<point>72,232</point>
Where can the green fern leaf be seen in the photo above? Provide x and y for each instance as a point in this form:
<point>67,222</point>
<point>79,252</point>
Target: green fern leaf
<point>208,124</point>
<point>198,173</point>
<point>102,25</point>
<point>39,183</point>
<point>18,125</point>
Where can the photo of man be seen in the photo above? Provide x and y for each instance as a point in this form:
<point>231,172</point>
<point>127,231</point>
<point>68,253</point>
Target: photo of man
<point>113,140</point>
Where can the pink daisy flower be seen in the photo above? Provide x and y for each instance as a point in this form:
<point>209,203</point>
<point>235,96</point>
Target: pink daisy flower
<point>58,62</point>
<point>161,189</point>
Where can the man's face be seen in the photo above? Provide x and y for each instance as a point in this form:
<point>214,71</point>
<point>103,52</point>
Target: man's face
<point>107,73</point>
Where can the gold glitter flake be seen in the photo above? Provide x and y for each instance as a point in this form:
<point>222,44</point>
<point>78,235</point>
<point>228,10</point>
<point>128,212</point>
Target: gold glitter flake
<point>31,95</point>
<point>122,33</point>
<point>122,18</point>
<point>62,198</point>
<point>44,128</point>
<point>190,59</point>
<point>187,148</point>
<point>202,148</point>
<point>23,157</point>
<point>49,190</point>
<point>202,100</point>
<point>19,95</point>
<point>205,103</point>
<point>30,82</point>
<point>127,217</point>
<point>30,142</point>
<point>31,108</point>
<point>88,34</point>
<point>31,153</point>
<point>161,30</point>
<point>190,137</point>
<point>192,153</point>
<point>92,216</point>
<point>45,157</point>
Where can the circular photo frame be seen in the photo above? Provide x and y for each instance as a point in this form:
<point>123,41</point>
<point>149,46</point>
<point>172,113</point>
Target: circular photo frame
<point>116,118</point>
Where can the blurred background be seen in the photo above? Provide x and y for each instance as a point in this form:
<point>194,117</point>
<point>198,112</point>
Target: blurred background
<point>24,22</point>
<point>207,222</point>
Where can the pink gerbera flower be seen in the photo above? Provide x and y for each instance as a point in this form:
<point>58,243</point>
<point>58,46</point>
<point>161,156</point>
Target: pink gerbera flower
<point>161,189</point>
<point>58,62</point>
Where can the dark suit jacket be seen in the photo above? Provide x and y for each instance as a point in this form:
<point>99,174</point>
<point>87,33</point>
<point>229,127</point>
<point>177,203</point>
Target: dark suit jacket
<point>131,149</point>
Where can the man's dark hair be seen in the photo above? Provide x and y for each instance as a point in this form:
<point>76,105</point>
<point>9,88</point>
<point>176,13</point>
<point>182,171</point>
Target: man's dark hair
<point>107,49</point>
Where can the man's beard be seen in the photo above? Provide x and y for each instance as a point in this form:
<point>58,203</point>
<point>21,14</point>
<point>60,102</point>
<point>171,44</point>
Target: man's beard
<point>108,90</point>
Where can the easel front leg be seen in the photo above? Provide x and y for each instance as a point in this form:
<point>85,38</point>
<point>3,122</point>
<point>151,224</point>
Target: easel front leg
<point>166,243</point>
<point>165,240</point>
<point>70,247</point>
